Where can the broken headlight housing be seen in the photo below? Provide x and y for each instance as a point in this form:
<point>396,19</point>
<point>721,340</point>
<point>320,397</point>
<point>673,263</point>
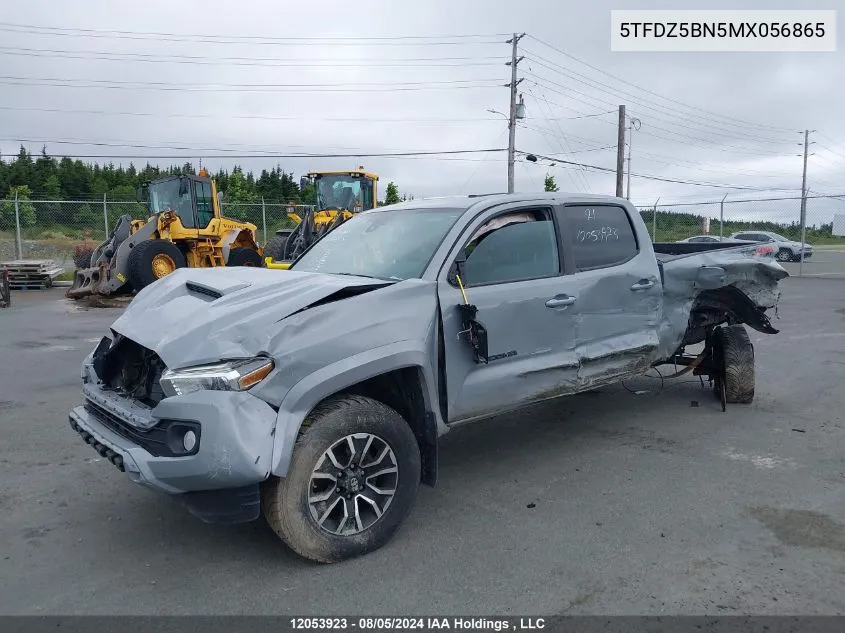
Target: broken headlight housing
<point>238,375</point>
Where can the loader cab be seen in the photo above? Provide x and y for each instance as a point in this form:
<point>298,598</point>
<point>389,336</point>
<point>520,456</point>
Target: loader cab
<point>355,190</point>
<point>192,198</point>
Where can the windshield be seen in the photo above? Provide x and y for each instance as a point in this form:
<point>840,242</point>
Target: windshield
<point>393,245</point>
<point>164,196</point>
<point>354,193</point>
<point>779,238</point>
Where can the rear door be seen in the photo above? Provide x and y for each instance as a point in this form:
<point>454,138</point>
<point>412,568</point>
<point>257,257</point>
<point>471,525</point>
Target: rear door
<point>514,275</point>
<point>620,295</point>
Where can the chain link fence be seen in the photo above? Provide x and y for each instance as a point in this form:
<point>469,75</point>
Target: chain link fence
<point>823,227</point>
<point>53,229</point>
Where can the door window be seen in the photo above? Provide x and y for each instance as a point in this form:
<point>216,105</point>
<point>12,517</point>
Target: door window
<point>600,236</point>
<point>204,210</point>
<point>511,247</point>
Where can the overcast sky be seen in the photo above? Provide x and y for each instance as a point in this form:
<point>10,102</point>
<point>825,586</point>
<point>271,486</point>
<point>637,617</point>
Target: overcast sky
<point>698,139</point>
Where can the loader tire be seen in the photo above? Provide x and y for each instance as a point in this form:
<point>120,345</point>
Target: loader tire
<point>385,471</point>
<point>277,247</point>
<point>737,354</point>
<point>151,260</point>
<point>244,257</point>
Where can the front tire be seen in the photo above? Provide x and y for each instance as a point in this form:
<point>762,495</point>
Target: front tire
<point>784,255</point>
<point>244,257</point>
<point>277,247</point>
<point>151,260</point>
<point>353,477</point>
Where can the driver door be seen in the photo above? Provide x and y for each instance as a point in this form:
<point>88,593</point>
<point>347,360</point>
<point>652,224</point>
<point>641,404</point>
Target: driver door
<point>514,276</point>
<point>203,207</point>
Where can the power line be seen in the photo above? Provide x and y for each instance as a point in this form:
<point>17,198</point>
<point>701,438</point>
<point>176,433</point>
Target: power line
<point>652,177</point>
<point>252,61</point>
<point>582,173</point>
<point>729,134</point>
<point>684,116</point>
<point>397,40</point>
<point>291,155</point>
<point>659,96</point>
<point>722,146</point>
<point>97,84</point>
<point>192,115</point>
<point>714,202</point>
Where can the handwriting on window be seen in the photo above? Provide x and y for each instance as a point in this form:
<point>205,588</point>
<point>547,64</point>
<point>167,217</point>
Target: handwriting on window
<point>601,234</point>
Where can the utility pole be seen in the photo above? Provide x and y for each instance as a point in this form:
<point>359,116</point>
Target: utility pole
<point>513,107</point>
<point>804,200</point>
<point>635,125</point>
<point>620,151</point>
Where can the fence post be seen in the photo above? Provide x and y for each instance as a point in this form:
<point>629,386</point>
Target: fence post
<point>722,216</point>
<point>654,223</point>
<point>106,216</point>
<point>18,227</point>
<point>264,219</point>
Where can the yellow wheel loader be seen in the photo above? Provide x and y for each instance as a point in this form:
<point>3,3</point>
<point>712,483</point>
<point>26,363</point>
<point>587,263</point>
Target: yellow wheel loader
<point>340,194</point>
<point>185,229</point>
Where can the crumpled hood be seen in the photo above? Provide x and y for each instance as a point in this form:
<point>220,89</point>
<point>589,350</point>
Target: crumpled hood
<point>197,316</point>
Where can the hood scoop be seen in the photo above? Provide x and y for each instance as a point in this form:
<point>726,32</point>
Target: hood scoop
<point>205,292</point>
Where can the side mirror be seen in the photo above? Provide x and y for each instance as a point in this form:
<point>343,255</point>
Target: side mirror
<point>303,182</point>
<point>458,268</point>
<point>183,186</point>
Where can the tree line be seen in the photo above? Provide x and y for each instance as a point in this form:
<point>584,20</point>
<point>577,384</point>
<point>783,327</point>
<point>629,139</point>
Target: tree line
<point>44,177</point>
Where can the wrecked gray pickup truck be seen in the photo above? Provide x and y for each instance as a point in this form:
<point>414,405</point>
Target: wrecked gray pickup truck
<point>317,395</point>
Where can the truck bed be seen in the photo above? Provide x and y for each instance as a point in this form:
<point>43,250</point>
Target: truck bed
<point>667,251</point>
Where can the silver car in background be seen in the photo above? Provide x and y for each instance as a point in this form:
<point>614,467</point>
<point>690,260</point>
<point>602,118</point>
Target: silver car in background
<point>786,250</point>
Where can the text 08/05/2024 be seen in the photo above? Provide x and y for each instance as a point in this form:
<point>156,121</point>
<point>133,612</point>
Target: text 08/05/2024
<point>418,623</point>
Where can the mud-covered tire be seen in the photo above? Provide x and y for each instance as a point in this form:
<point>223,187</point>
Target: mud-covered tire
<point>284,501</point>
<point>276,247</point>
<point>140,273</point>
<point>737,353</point>
<point>244,257</point>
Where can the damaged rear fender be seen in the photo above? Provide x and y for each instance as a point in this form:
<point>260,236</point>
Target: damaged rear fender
<point>711,307</point>
<point>305,395</point>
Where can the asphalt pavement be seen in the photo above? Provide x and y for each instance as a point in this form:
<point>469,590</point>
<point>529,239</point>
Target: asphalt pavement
<point>827,261</point>
<point>615,502</point>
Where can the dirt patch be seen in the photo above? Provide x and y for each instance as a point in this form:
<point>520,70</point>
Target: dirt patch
<point>802,528</point>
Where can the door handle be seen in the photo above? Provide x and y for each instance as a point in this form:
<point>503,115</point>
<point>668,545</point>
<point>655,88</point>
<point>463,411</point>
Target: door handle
<point>560,302</point>
<point>642,284</point>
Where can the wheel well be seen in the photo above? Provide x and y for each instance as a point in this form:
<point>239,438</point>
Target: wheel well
<point>402,391</point>
<point>724,305</point>
<point>244,239</point>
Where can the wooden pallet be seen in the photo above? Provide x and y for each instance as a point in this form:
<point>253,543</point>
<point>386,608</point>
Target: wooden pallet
<point>31,274</point>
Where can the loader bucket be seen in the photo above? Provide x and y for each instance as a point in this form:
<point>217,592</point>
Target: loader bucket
<point>86,282</point>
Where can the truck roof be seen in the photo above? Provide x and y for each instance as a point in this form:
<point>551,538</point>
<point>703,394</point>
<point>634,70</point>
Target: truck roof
<point>472,201</point>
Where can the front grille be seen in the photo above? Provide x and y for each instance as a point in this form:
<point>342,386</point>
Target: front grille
<point>162,440</point>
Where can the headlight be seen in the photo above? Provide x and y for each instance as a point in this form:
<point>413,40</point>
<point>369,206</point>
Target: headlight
<point>237,375</point>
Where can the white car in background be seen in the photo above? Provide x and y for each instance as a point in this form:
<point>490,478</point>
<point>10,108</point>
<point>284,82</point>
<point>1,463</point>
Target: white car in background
<point>786,250</point>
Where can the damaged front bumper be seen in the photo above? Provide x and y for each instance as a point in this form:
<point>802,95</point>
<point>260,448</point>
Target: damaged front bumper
<point>215,474</point>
